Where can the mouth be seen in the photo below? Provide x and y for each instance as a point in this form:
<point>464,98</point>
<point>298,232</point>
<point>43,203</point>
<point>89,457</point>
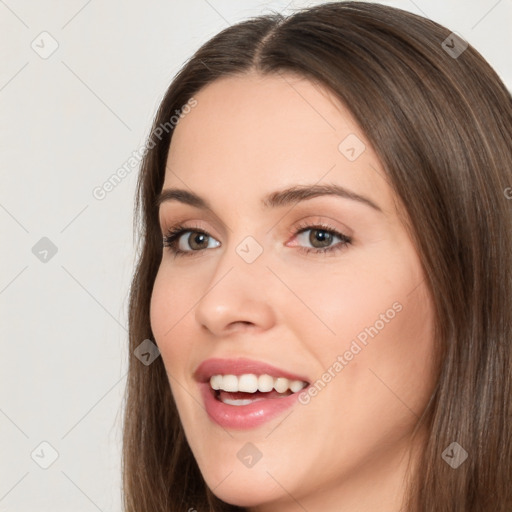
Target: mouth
<point>244,394</point>
<point>245,389</point>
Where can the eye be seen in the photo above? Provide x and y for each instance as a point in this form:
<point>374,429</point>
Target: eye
<point>321,237</point>
<point>197,240</point>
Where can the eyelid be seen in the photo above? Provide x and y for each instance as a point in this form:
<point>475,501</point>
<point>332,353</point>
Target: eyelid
<point>329,223</point>
<point>303,223</point>
<point>189,224</point>
<point>167,219</point>
<point>177,230</point>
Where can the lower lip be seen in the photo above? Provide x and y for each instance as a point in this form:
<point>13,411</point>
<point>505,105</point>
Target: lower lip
<point>244,416</point>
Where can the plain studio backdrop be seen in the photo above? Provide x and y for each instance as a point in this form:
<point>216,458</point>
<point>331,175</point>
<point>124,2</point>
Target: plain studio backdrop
<point>80,82</point>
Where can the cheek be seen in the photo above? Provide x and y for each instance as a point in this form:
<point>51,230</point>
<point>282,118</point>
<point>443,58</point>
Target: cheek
<point>379,319</point>
<point>157,307</point>
<point>335,307</point>
<point>168,306</point>
<point>387,348</point>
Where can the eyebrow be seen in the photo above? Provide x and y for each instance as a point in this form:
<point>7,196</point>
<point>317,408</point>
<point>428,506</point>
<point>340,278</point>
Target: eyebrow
<point>276,199</point>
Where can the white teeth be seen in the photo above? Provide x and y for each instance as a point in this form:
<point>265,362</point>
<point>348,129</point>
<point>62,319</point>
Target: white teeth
<point>250,383</point>
<point>230,383</point>
<point>228,401</point>
<point>265,383</point>
<point>216,381</point>
<point>281,385</point>
<point>296,385</point>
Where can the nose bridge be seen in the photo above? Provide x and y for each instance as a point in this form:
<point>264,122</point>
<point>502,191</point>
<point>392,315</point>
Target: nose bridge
<point>244,250</point>
<point>236,292</point>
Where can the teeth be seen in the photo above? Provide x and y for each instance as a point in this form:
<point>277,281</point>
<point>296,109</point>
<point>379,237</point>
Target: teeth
<point>250,383</point>
<point>247,383</point>
<point>265,383</point>
<point>228,401</point>
<point>281,385</point>
<point>216,381</point>
<point>230,383</point>
<point>297,385</point>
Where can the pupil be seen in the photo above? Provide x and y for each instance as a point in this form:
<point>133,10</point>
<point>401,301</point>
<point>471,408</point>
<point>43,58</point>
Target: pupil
<point>320,235</point>
<point>197,237</point>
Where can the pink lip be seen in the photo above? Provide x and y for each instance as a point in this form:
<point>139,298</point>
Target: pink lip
<point>243,416</point>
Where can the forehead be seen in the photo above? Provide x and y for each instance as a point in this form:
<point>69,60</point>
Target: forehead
<point>251,109</point>
<point>253,134</point>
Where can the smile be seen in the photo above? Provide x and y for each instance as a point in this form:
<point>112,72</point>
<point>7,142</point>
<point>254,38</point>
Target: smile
<point>247,388</point>
<point>248,394</point>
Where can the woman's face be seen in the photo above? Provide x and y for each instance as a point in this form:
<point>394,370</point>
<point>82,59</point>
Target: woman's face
<point>353,321</point>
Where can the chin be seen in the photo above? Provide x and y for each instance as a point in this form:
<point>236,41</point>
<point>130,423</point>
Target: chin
<point>244,487</point>
<point>244,496</point>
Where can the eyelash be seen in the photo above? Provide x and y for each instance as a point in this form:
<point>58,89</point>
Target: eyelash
<point>173,234</point>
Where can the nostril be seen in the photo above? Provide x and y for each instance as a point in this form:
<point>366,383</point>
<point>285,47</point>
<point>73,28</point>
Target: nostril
<point>240,324</point>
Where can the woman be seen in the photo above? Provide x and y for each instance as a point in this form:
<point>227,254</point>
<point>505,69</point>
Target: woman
<point>326,269</point>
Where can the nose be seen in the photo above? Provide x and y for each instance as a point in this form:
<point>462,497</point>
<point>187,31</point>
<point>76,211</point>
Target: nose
<point>237,297</point>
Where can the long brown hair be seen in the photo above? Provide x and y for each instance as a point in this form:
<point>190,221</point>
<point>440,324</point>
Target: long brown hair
<point>441,124</point>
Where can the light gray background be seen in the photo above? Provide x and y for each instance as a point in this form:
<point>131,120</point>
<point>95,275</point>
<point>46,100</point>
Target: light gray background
<point>68,122</point>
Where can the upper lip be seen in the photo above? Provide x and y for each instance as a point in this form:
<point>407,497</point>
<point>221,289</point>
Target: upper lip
<point>240,366</point>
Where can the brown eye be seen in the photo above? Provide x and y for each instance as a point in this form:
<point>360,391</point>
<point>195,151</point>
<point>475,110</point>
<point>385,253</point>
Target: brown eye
<point>196,240</point>
<point>321,237</point>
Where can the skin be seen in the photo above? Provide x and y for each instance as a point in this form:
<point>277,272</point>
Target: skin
<point>346,450</point>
